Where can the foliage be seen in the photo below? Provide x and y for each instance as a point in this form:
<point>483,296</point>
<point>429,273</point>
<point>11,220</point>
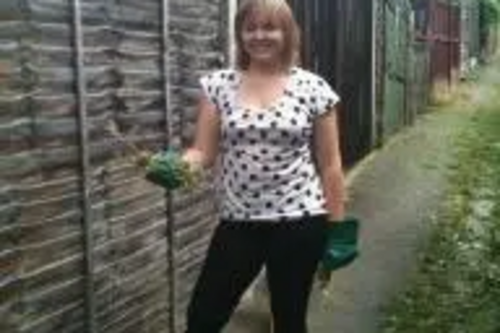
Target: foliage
<point>457,286</point>
<point>490,12</point>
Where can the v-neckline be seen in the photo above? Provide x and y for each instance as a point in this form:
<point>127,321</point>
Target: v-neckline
<point>256,109</point>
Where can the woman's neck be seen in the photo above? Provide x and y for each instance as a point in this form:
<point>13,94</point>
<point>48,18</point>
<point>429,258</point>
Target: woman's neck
<point>266,70</point>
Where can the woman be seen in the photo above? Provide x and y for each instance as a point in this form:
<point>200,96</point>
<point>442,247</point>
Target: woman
<point>272,128</point>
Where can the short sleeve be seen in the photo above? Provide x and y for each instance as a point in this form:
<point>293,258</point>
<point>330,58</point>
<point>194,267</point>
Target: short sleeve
<point>326,98</point>
<point>217,86</point>
<point>211,87</point>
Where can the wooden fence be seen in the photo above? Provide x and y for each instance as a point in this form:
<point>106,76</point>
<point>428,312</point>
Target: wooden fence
<point>87,245</point>
<point>371,57</point>
<point>337,44</point>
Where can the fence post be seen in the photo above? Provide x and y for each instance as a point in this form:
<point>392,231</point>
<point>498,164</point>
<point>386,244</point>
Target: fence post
<point>373,77</point>
<point>81,93</point>
<point>170,227</point>
<point>232,8</point>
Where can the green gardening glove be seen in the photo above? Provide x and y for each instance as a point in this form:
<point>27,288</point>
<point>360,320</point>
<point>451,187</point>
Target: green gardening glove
<point>342,244</point>
<point>168,170</point>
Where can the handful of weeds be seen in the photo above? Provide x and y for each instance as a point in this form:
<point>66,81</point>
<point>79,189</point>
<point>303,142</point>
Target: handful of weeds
<point>168,170</point>
<point>165,168</point>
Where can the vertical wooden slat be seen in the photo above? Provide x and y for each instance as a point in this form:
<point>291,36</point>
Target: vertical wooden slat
<point>85,167</point>
<point>170,228</point>
<point>231,49</point>
<point>373,73</point>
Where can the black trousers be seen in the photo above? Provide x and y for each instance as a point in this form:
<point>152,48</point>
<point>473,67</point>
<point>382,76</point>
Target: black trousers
<point>290,251</point>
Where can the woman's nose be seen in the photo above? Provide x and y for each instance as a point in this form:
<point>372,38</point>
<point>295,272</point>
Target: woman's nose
<point>259,34</point>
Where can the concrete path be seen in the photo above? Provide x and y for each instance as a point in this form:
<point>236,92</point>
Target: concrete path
<point>395,191</point>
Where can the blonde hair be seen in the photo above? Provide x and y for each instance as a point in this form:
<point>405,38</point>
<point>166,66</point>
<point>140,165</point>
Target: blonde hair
<point>282,13</point>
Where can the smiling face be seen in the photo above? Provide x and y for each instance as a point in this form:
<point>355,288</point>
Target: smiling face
<point>267,34</point>
<point>263,38</point>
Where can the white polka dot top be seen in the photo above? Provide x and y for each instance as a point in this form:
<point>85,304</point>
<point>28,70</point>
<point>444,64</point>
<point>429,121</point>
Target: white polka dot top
<point>266,163</point>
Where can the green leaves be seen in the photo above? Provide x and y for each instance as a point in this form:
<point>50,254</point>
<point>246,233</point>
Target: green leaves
<point>490,12</point>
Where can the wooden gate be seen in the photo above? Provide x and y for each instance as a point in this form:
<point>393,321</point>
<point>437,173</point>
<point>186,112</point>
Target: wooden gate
<point>337,44</point>
<point>395,64</point>
<point>442,32</point>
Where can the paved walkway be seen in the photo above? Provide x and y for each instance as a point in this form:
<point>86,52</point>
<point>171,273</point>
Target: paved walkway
<point>394,194</point>
<point>395,191</point>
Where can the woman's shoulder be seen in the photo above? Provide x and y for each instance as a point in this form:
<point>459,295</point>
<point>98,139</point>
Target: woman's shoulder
<point>309,77</point>
<point>325,97</point>
<point>220,75</point>
<point>217,83</point>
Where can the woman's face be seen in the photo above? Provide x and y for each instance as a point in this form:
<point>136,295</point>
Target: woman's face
<point>263,39</point>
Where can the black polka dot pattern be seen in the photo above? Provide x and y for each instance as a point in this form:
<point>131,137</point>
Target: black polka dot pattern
<point>266,171</point>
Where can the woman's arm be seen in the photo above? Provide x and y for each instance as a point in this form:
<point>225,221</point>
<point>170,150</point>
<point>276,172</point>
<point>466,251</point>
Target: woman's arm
<point>203,152</point>
<point>329,163</point>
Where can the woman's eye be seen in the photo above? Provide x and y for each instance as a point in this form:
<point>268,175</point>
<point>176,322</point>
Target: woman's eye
<point>250,28</point>
<point>269,27</point>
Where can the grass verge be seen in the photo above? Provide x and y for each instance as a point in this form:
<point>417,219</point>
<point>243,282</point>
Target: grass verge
<point>456,288</point>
